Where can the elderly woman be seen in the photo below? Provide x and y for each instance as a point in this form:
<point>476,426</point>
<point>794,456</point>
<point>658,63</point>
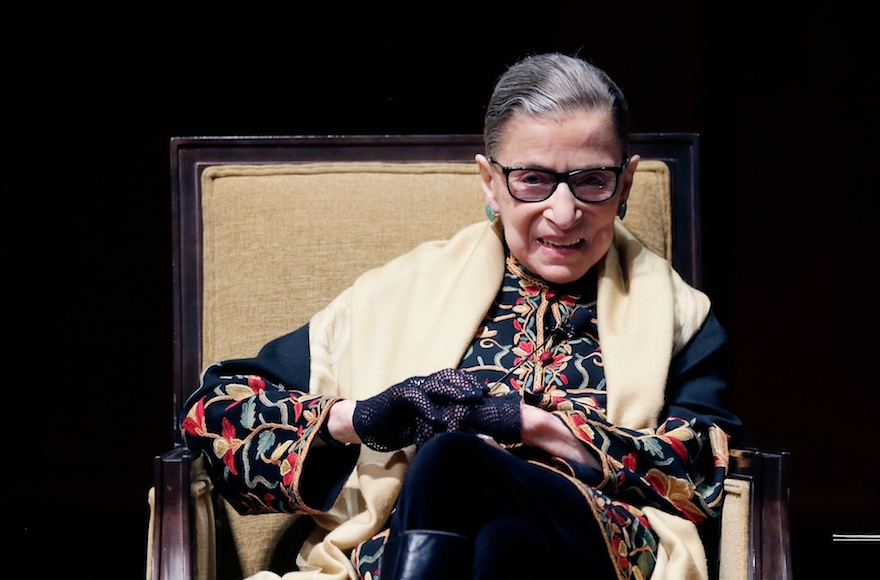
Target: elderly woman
<point>538,396</point>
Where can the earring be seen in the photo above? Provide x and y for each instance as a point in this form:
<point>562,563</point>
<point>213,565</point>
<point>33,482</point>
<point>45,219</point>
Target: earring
<point>490,213</point>
<point>621,212</point>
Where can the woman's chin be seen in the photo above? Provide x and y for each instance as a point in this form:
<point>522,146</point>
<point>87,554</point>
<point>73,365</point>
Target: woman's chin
<point>559,273</point>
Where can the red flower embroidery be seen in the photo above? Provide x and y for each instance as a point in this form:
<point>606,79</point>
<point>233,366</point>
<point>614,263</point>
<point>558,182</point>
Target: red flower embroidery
<point>524,349</point>
<point>679,448</point>
<point>196,426</point>
<point>554,360</point>
<point>228,430</point>
<point>287,470</point>
<point>229,455</point>
<point>620,549</point>
<point>257,384</point>
<point>657,480</point>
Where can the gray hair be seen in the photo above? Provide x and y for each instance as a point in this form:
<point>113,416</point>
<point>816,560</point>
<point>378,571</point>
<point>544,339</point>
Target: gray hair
<point>551,85</point>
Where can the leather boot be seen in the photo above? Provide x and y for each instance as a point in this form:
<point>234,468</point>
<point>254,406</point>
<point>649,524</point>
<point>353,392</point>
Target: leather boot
<point>427,555</point>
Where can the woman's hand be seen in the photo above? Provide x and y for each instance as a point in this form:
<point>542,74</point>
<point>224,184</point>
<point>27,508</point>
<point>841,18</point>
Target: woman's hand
<point>397,417</point>
<point>339,422</point>
<point>545,431</point>
<point>499,417</point>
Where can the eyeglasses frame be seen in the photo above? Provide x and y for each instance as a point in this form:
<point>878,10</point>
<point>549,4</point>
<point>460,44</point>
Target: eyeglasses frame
<point>563,177</point>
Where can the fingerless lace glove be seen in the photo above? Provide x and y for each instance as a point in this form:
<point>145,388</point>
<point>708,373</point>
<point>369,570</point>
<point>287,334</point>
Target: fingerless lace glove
<point>499,417</point>
<point>412,411</point>
<point>387,421</point>
<point>453,386</point>
<point>465,405</point>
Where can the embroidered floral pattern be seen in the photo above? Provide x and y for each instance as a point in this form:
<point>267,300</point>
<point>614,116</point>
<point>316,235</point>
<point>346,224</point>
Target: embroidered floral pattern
<point>255,435</point>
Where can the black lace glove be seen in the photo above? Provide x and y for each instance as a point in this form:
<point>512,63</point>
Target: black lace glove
<point>387,421</point>
<point>410,412</point>
<point>499,417</point>
<point>454,392</point>
<point>454,386</point>
<point>465,405</point>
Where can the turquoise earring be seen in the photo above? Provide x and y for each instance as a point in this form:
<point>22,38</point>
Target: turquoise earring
<point>621,212</point>
<point>490,213</point>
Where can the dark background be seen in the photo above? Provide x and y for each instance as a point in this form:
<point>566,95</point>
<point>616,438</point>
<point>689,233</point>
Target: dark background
<point>783,99</point>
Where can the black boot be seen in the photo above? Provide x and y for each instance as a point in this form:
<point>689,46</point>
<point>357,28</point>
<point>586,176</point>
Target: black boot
<point>427,555</point>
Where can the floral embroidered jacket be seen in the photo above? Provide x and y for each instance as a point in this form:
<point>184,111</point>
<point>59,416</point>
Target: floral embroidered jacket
<point>253,419</point>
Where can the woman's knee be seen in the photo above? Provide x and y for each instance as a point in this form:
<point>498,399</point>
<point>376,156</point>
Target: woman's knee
<point>448,486</point>
<point>443,459</point>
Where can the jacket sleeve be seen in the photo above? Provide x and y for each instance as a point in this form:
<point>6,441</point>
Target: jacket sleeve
<point>254,422</point>
<point>680,465</point>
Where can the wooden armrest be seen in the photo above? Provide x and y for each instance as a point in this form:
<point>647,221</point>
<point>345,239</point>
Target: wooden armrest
<point>769,534</point>
<point>172,557</point>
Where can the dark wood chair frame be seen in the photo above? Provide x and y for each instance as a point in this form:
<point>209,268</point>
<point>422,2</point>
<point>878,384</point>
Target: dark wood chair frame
<point>172,534</point>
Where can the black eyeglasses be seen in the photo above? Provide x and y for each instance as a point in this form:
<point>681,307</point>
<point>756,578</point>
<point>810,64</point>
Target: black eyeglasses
<point>588,185</point>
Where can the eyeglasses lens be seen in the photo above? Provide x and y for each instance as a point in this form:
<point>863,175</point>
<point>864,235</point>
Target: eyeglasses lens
<point>591,186</point>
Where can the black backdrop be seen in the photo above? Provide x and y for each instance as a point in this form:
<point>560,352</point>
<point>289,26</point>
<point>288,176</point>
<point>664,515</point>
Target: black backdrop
<point>780,99</point>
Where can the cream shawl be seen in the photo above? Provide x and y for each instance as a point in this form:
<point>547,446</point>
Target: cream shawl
<point>418,314</point>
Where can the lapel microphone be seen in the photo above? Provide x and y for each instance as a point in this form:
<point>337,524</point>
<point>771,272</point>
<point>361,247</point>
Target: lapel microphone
<point>570,327</point>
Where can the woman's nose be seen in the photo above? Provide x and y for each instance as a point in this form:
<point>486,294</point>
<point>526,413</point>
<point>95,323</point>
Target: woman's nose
<point>562,207</point>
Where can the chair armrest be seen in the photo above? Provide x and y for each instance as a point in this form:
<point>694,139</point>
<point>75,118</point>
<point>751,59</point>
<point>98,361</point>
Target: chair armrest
<point>172,553</point>
<point>769,534</point>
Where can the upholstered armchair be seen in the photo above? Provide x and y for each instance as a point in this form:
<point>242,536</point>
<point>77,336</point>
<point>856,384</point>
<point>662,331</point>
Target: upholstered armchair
<point>268,230</point>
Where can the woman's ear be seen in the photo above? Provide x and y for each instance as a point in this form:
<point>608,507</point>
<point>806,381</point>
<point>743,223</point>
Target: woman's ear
<point>487,178</point>
<point>626,177</point>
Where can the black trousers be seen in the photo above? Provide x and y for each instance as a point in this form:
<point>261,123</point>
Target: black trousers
<point>525,521</point>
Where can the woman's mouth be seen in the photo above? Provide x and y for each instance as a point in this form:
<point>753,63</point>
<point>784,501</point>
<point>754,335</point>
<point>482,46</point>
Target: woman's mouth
<point>560,244</point>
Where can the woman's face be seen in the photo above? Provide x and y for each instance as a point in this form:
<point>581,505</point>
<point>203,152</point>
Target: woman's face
<point>560,238</point>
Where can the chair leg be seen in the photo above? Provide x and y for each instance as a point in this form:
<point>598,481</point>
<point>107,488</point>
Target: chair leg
<point>427,555</point>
